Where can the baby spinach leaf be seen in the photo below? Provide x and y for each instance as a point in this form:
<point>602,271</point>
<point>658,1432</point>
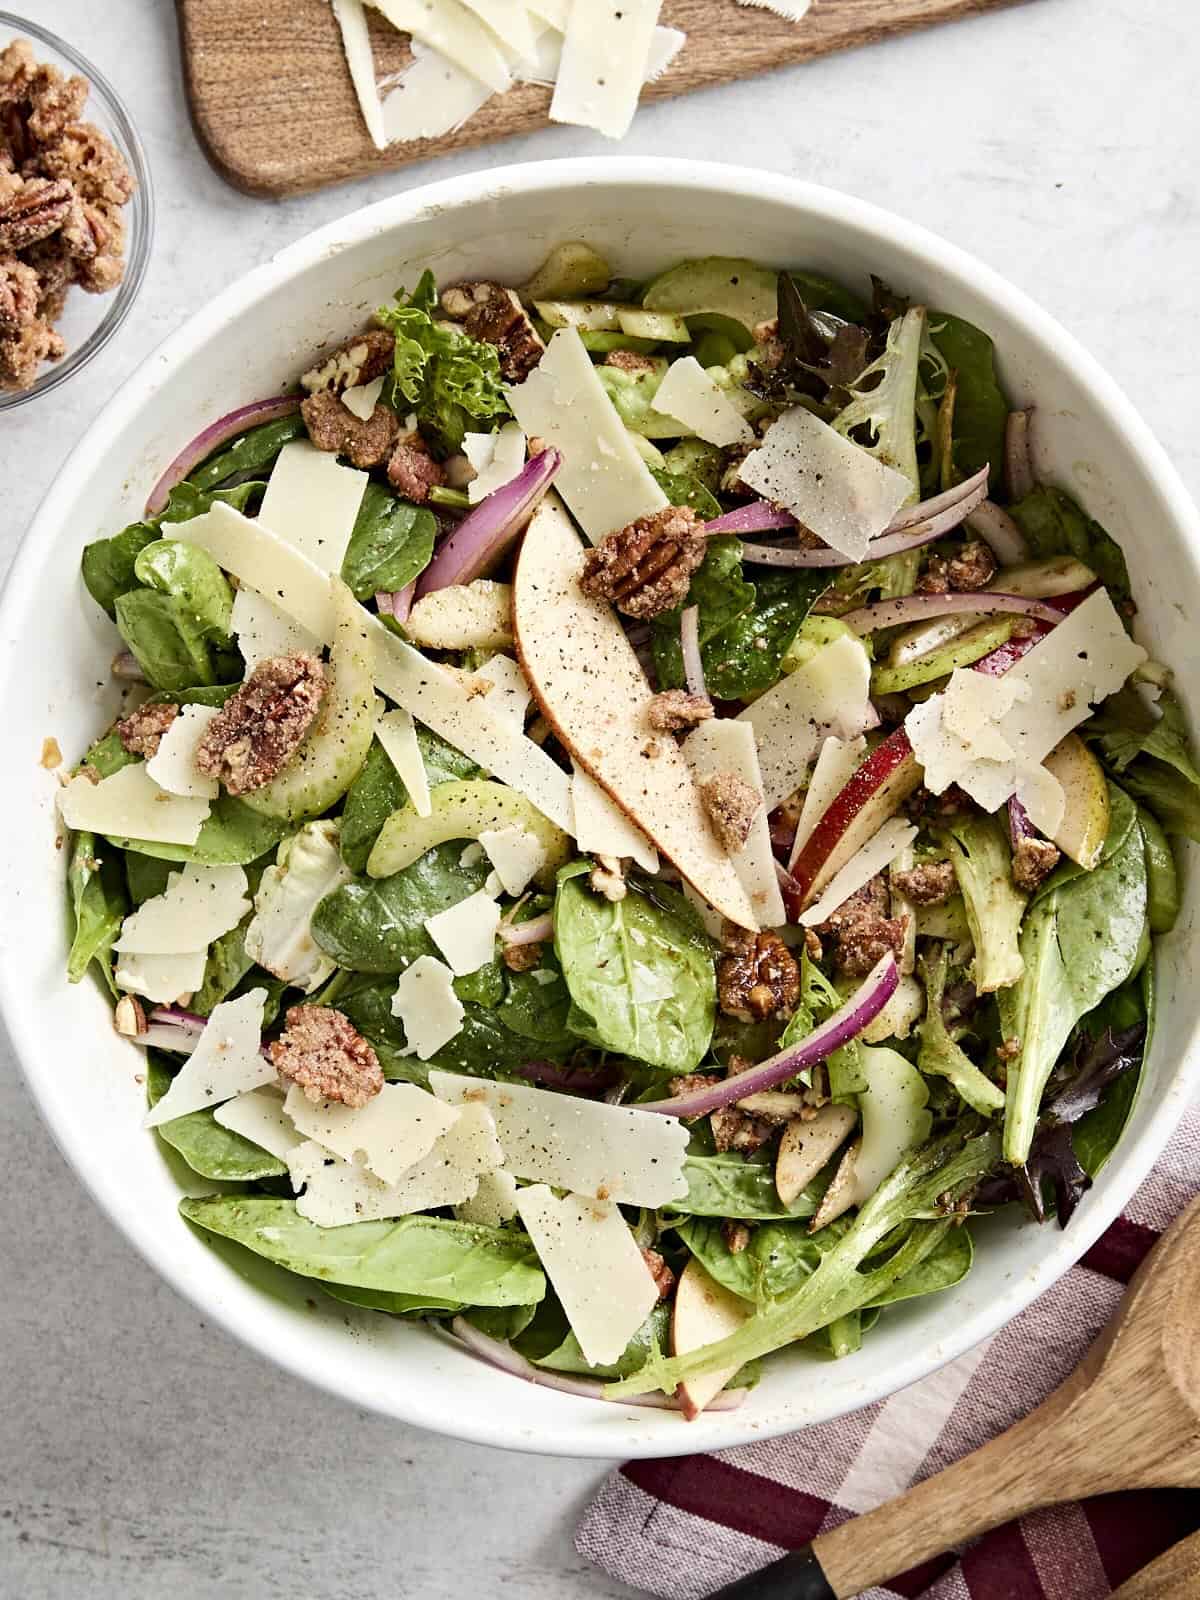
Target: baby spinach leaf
<point>227,964</point>
<point>207,1147</point>
<point>501,1322</point>
<point>681,489</point>
<point>415,1255</point>
<point>392,543</point>
<point>1153,756</point>
<point>378,791</point>
<point>980,408</point>
<point>820,293</point>
<point>945,1266</point>
<point>722,595</point>
<point>395,1305</point>
<point>778,1256</point>
<point>536,1007</point>
<point>1056,525</point>
<point>170,650</point>
<point>548,1342</point>
<point>232,835</point>
<point>107,564</point>
<point>731,1186</point>
<point>145,875</point>
<point>253,451</point>
<point>98,906</point>
<point>191,577</point>
<point>640,972</point>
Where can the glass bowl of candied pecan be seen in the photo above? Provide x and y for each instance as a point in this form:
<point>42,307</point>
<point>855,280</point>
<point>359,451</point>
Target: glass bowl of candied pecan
<point>76,211</point>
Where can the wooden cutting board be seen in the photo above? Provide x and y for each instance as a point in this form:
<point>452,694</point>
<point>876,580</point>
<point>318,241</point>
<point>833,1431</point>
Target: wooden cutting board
<point>273,105</point>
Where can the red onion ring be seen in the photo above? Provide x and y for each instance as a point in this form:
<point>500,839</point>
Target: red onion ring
<point>1018,461</point>
<point>217,433</point>
<point>922,607</point>
<point>999,532</point>
<point>689,644</point>
<point>486,532</point>
<point>534,931</point>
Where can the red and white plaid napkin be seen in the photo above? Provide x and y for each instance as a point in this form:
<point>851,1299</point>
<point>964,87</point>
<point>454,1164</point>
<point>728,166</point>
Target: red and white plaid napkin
<point>682,1528</point>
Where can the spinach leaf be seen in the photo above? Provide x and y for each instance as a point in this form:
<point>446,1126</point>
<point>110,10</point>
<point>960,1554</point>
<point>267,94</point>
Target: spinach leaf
<point>945,1266</point>
<point>548,1342</point>
<point>191,577</point>
<point>232,835</point>
<point>187,501</point>
<point>395,1305</point>
<point>253,451</point>
<point>536,1006</point>
<point>98,907</point>
<point>501,1322</point>
<point>1153,756</point>
<point>640,972</point>
<point>681,489</point>
<point>145,875</point>
<point>227,964</point>
<point>207,1147</point>
<point>722,594</point>
<point>177,625</point>
<point>378,924</point>
<point>1056,525</point>
<point>391,544</point>
<point>980,408</point>
<point>169,650</point>
<point>731,1186</point>
<point>778,1256</point>
<point>1172,798</point>
<point>415,1255</point>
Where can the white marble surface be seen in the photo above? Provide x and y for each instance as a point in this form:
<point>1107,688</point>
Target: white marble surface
<point>143,1453</point>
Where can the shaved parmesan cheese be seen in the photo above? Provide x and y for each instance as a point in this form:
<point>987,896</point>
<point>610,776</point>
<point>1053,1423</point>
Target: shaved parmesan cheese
<point>279,936</point>
<point>338,1192</point>
<point>466,933</point>
<point>664,47</point>
<point>555,12</point>
<point>516,855</point>
<point>595,1267</point>
<point>1043,797</point>
<point>603,478</point>
<point>725,745</point>
<point>356,43</point>
<point>130,805</point>
<point>830,485</point>
<point>494,1201</point>
<point>397,734</point>
<point>509,21</point>
<point>463,616</point>
<point>360,400</point>
<point>593,691</point>
<point>455,33</point>
<point>259,1116</point>
<point>173,765</point>
<point>829,694</point>
<point>689,394</point>
<point>257,557</point>
<point>432,97</point>
<point>496,463</point>
<point>198,905</point>
<point>508,694</point>
<point>605,56</point>
<point>837,761</point>
<point>429,1010</point>
<point>227,1061</point>
<point>543,66</point>
<point>262,630</point>
<point>602,828</point>
<point>312,502</point>
<point>393,1130</point>
<point>163,979</point>
<point>879,851</point>
<point>618,1152</point>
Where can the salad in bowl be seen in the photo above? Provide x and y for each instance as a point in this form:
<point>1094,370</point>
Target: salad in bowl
<point>637,816</point>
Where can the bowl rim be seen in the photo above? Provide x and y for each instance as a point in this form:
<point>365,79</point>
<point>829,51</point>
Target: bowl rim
<point>575,1438</point>
<point>140,214</point>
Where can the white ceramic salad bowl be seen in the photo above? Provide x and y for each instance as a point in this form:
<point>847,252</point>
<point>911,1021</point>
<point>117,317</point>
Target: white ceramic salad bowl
<point>56,649</point>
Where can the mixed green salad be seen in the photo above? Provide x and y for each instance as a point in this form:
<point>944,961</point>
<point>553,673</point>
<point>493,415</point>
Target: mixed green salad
<point>636,815</point>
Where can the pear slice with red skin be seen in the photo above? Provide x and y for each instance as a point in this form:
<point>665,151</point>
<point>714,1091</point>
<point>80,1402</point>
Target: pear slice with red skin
<point>703,1312</point>
<point>1084,826</point>
<point>592,691</point>
<point>874,793</point>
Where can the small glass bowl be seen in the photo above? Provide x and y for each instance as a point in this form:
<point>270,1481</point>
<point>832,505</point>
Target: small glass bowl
<point>90,320</point>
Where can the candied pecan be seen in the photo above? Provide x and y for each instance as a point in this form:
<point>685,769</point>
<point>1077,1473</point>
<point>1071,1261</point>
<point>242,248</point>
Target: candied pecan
<point>38,209</point>
<point>54,102</point>
<point>322,1051</point>
<point>689,1082</point>
<point>92,163</point>
<point>738,1130</point>
<point>413,470</point>
<point>98,248</point>
<point>973,567</point>
<point>22,353</point>
<point>522,957</point>
<point>736,1236</point>
<point>629,361</point>
<point>664,1278</point>
<point>1033,860</point>
<point>731,471</point>
<point>860,932</point>
<point>20,293</point>
<point>675,710</point>
<point>1009,1049</point>
<point>646,568</point>
<point>757,975</point>
<point>17,67</point>
<point>261,726</point>
<point>732,805</point>
<point>930,884</point>
<point>494,315</point>
<point>141,731</point>
<point>359,360</point>
<point>333,426</point>
<point>923,805</point>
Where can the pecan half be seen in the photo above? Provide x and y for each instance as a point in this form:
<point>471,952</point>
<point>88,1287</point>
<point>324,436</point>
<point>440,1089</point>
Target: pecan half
<point>20,293</point>
<point>738,1130</point>
<point>757,975</point>
<point>333,426</point>
<point>675,710</point>
<point>972,568</point>
<point>141,731</point>
<point>322,1051</point>
<point>860,931</point>
<point>359,360</point>
<point>646,568</point>
<point>38,209</point>
<point>1033,860</point>
<point>412,469</point>
<point>930,884</point>
<point>261,726</point>
<point>494,315</point>
<point>664,1278</point>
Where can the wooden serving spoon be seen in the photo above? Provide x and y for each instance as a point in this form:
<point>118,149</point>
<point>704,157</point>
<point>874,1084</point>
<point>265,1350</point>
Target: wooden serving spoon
<point>1128,1417</point>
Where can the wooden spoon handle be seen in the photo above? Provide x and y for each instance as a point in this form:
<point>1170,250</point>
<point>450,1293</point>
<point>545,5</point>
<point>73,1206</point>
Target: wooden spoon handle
<point>1174,1576</point>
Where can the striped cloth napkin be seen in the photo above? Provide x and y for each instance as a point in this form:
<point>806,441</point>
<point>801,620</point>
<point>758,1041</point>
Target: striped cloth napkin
<point>682,1528</point>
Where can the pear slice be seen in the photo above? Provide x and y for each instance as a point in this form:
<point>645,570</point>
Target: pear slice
<point>1084,826</point>
<point>806,1147</point>
<point>703,1312</point>
<point>593,693</point>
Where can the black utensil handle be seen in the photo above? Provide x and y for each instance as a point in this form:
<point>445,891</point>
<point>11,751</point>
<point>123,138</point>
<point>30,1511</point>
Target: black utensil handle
<point>797,1576</point>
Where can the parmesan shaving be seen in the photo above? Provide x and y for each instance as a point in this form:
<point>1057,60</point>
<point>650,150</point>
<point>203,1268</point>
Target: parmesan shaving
<point>173,765</point>
<point>312,502</point>
<point>836,764</point>
<point>360,400</point>
<point>164,979</point>
<point>397,733</point>
<point>494,1201</point>
<point>227,1061</point>
<point>390,1133</point>
<point>429,1010</point>
<point>605,58</point>
<point>130,805</point>
<point>262,630</point>
<point>726,746</point>
<point>431,98</point>
<point>356,43</point>
<point>602,828</point>
<point>259,1115</point>
<point>496,457</point>
<point>454,32</point>
<point>508,693</point>
<point>516,855</point>
<point>466,933</point>
<point>198,905</point>
<point>689,394</point>
<point>879,851</point>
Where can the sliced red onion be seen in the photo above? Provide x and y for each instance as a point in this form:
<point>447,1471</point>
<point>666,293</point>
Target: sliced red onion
<point>999,532</point>
<point>497,1353</point>
<point>792,555</point>
<point>127,668</point>
<point>1019,825</point>
<point>968,489</point>
<point>846,1023</point>
<point>396,603</point>
<point>1018,461</point>
<point>384,600</point>
<point>760,516</point>
<point>486,532</point>
<point>217,433</point>
<point>689,643</point>
<point>531,932</point>
<point>922,607</point>
<point>790,891</point>
<point>176,1017</point>
<point>162,1037</point>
